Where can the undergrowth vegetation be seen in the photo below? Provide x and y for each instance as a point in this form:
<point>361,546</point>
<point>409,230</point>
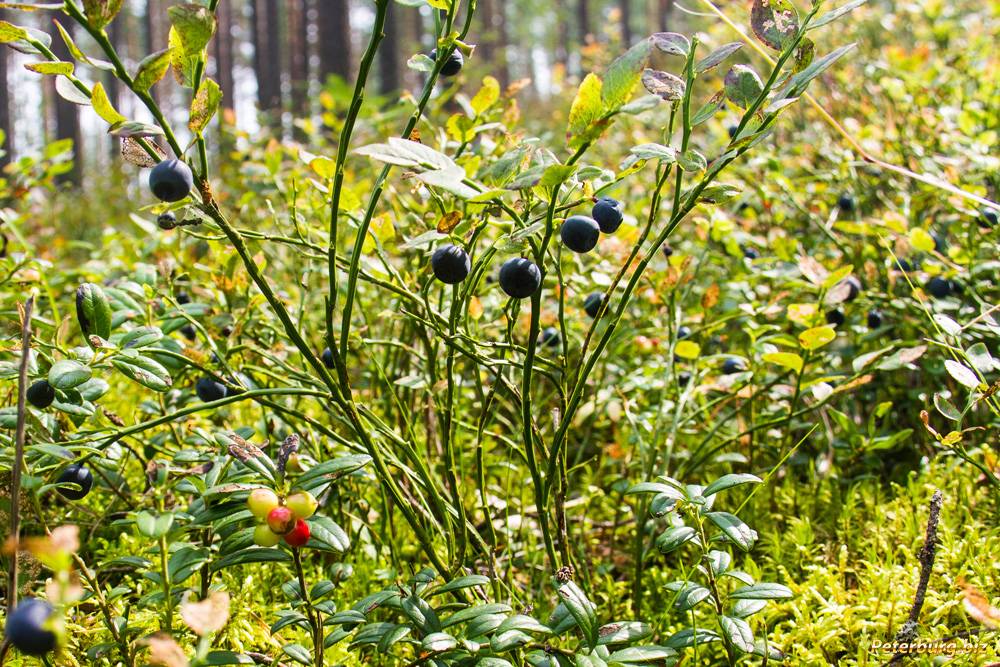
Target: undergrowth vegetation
<point>673,380</point>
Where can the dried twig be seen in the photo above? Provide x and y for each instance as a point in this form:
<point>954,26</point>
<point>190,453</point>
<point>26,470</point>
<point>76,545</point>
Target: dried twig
<point>908,632</point>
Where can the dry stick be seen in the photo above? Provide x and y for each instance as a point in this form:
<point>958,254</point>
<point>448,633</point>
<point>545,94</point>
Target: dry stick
<point>15,477</point>
<point>926,557</point>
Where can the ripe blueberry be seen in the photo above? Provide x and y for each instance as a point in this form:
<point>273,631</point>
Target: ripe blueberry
<point>183,298</point>
<point>733,365</point>
<point>609,214</point>
<point>854,287</point>
<point>453,65</point>
<point>520,278</point>
<point>835,317</point>
<point>592,304</point>
<point>845,202</point>
<point>732,131</point>
<point>208,389</point>
<point>940,242</point>
<point>938,287</point>
<point>41,394</point>
<point>26,627</point>
<point>904,265</point>
<point>988,217</point>
<point>451,264</point>
<point>667,250</point>
<point>683,378</point>
<point>79,475</point>
<point>750,253</point>
<point>189,331</point>
<point>874,319</point>
<point>550,337</point>
<point>683,332</point>
<point>171,180</point>
<point>167,220</point>
<point>580,233</point>
<point>327,357</point>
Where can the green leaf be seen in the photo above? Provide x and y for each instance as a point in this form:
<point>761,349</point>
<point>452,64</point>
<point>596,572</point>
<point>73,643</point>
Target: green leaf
<point>103,107</point>
<point>665,154</point>
<point>738,633</point>
<point>622,633</point>
<point>774,22</point>
<point>195,25</point>
<point>709,109</point>
<point>134,128</point>
<point>327,535</point>
<point>586,107</point>
<point>623,76</point>
<point>251,555</point>
<point>226,658</point>
<point>556,174</point>
<point>762,591</point>
<point>151,69</point>
<point>675,537</point>
<point>298,653</point>
<point>145,371</point>
<point>800,81</point>
<point>743,86</point>
<point>437,642</point>
<point>469,613</point>
<point>672,43</point>
<point>93,311</point>
<point>204,105</point>
<point>962,374</point>
<point>140,337</point>
<point>786,359</point>
<point>582,610</point>
<point>920,239</point>
<point>715,58</point>
<point>68,373</point>
<point>689,637</point>
<point>154,525</point>
<point>835,14</point>
<point>740,534</point>
<point>100,12</point>
<point>182,63</point>
<point>467,581</point>
<point>637,655</point>
<point>817,337</point>
<point>690,596</point>
<point>729,481</point>
<point>980,358</point>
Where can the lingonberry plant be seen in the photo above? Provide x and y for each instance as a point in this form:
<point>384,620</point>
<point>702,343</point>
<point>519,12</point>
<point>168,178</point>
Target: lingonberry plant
<point>411,323</point>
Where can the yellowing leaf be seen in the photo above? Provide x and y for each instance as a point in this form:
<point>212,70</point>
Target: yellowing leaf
<point>449,221</point>
<point>587,106</point>
<point>475,308</point>
<point>801,313</point>
<point>921,240</point>
<point>381,230</point>
<point>152,68</point>
<point>204,105</point>
<point>487,95</point>
<point>786,359</point>
<point>687,349</point>
<point>817,337</point>
<point>102,105</point>
<point>208,616</point>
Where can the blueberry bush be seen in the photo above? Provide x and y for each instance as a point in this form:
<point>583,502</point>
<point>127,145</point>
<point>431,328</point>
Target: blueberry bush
<point>670,380</point>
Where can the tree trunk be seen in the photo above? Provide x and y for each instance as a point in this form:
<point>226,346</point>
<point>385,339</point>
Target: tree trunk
<point>562,34</point>
<point>224,61</point>
<point>267,60</point>
<point>626,11</point>
<point>502,64</point>
<point>583,19</point>
<point>67,114</point>
<point>665,14</point>
<point>116,30</point>
<point>298,57</point>
<point>334,22</point>
<point>388,62</point>
<point>155,26</point>
<point>6,126</point>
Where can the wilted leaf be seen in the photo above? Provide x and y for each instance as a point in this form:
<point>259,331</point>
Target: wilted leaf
<point>743,85</point>
<point>664,85</point>
<point>449,221</point>
<point>774,22</point>
<point>204,105</point>
<point>208,616</point>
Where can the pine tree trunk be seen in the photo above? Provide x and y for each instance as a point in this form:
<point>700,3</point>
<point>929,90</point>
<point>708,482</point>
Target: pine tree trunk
<point>562,34</point>
<point>298,57</point>
<point>267,60</point>
<point>502,64</point>
<point>388,63</point>
<point>626,16</point>
<point>666,14</point>
<point>583,19</point>
<point>334,21</point>
<point>224,63</point>
<point>7,149</point>
<point>67,115</point>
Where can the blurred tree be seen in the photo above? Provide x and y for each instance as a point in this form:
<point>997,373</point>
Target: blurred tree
<point>666,11</point>
<point>267,59</point>
<point>389,53</point>
<point>67,114</point>
<point>5,119</point>
<point>116,31</point>
<point>224,64</point>
<point>583,19</point>
<point>625,6</point>
<point>298,56</point>
<point>156,30</point>
<point>334,22</point>
<point>562,33</point>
